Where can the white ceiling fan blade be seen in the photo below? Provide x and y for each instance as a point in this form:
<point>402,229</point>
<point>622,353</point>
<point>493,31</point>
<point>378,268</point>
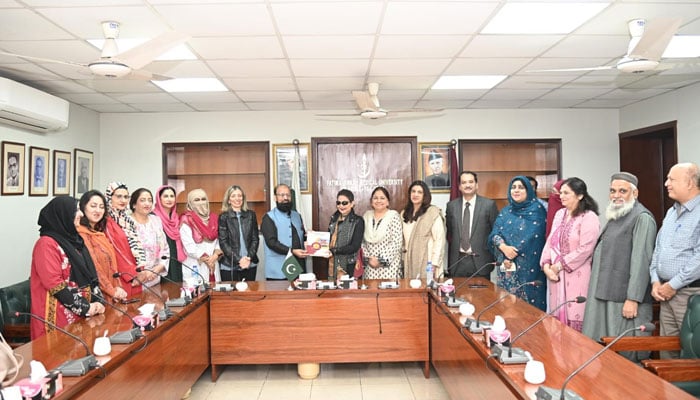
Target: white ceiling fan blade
<point>601,68</point>
<point>144,75</point>
<point>364,100</point>
<point>417,110</point>
<point>41,59</point>
<point>338,115</point>
<point>143,54</point>
<point>657,35</point>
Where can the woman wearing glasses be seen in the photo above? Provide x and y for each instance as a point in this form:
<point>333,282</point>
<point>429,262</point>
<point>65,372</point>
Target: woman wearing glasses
<point>347,230</point>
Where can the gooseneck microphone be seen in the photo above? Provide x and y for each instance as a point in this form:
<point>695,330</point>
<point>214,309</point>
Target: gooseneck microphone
<point>77,367</point>
<point>545,393</point>
<point>477,326</point>
<point>205,282</point>
<point>176,302</point>
<point>517,355</point>
<point>456,302</point>
<point>470,277</point>
<point>163,314</point>
<point>122,337</point>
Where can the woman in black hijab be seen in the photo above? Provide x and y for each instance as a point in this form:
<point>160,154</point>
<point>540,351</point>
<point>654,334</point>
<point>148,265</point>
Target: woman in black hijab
<point>63,276</point>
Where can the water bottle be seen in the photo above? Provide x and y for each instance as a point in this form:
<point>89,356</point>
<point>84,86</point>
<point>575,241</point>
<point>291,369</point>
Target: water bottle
<point>429,273</point>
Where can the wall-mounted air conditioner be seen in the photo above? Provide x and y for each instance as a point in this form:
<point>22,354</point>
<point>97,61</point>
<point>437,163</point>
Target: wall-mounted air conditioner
<point>29,108</point>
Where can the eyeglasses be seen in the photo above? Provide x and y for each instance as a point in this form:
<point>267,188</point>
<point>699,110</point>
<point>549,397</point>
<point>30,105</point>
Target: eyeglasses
<point>284,195</point>
<point>122,196</point>
<point>342,203</point>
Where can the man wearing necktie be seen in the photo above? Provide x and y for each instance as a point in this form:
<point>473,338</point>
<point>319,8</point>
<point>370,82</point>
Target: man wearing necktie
<point>469,220</point>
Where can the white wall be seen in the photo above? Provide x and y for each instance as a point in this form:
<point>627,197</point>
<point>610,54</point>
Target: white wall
<point>680,105</point>
<point>19,214</point>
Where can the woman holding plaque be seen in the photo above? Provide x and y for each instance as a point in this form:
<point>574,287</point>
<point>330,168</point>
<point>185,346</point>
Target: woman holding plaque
<point>381,246</point>
<point>347,230</point>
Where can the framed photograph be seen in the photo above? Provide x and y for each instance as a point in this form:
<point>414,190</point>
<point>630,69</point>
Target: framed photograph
<point>284,165</point>
<point>12,168</point>
<point>83,171</point>
<point>38,171</point>
<point>434,166</point>
<point>61,172</point>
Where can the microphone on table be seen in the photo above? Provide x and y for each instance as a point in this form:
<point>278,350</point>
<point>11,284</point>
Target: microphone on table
<point>517,355</point>
<point>176,302</point>
<point>77,367</point>
<point>164,313</point>
<point>452,301</point>
<point>205,282</point>
<point>122,337</point>
<point>547,393</point>
<point>477,326</point>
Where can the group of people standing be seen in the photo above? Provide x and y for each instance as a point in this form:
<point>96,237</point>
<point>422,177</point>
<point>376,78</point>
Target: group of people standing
<point>93,250</point>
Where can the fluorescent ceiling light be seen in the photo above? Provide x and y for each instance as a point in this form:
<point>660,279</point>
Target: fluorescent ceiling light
<point>683,46</point>
<point>542,18</point>
<point>180,85</point>
<point>180,52</point>
<point>468,81</point>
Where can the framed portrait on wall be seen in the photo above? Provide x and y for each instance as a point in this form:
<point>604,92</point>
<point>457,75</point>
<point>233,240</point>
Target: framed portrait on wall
<point>38,171</point>
<point>12,168</point>
<point>434,166</point>
<point>83,171</point>
<point>283,156</point>
<point>61,172</point>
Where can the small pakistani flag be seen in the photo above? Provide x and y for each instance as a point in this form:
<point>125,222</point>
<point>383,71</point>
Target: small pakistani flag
<point>291,268</point>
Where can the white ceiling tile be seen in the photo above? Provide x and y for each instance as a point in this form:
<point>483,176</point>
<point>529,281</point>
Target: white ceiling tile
<point>416,67</point>
<point>329,105</point>
<point>559,63</point>
<point>335,83</point>
<point>143,98</point>
<point>79,50</point>
<point>219,20</point>
<point>206,97</point>
<point>66,86</point>
<point>108,108</point>
<point>613,20</point>
<point>250,68</point>
<point>181,69</point>
<point>160,107</point>
<point>77,3</point>
<point>135,21</point>
<point>391,95</point>
<point>596,103</point>
<point>328,46</point>
<point>637,94</point>
<point>435,17</point>
<point>414,46</point>
<point>219,106</point>
<point>20,24</point>
<point>319,18</point>
<point>264,84</point>
<point>329,68</point>
<point>513,94</point>
<point>665,81</point>
<point>119,85</point>
<point>68,71</point>
<point>233,48</point>
<point>326,96</point>
<point>273,106</point>
<point>437,104</point>
<point>573,94</point>
<point>498,104</point>
<point>560,103</point>
<point>88,98</point>
<point>454,94</point>
<point>267,96</point>
<point>592,46</point>
<point>404,82</point>
<point>509,45</point>
<point>531,81</point>
<point>29,72</point>
<point>604,81</point>
<point>486,66</point>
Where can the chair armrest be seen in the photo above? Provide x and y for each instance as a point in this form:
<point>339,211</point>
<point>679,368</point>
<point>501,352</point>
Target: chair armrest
<point>675,370</point>
<point>639,343</point>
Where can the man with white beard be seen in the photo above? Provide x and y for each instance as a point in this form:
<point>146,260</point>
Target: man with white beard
<point>619,295</point>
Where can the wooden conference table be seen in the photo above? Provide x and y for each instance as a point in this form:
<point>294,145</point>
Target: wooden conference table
<point>175,355</point>
<point>459,357</point>
<point>268,324</point>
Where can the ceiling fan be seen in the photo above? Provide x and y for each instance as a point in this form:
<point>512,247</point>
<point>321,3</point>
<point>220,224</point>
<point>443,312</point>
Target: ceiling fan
<point>370,108</point>
<point>113,64</point>
<point>648,42</point>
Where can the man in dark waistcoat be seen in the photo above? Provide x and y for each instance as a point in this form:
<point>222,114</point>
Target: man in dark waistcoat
<point>619,295</point>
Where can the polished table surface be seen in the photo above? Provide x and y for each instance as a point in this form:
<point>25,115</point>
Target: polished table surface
<point>163,365</point>
<point>559,347</point>
<point>268,324</point>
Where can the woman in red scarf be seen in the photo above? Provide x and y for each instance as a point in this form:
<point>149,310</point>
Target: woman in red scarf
<point>199,232</point>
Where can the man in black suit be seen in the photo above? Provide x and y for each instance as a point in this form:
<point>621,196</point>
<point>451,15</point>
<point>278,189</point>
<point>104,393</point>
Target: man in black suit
<point>468,250</point>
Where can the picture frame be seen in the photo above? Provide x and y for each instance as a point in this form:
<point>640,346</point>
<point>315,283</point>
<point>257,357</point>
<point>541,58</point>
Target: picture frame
<point>434,165</point>
<point>39,162</point>
<point>12,168</point>
<point>61,172</point>
<point>283,156</point>
<point>82,171</point>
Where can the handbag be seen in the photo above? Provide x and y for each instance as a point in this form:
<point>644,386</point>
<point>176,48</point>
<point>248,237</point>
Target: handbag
<point>359,264</point>
<point>10,363</point>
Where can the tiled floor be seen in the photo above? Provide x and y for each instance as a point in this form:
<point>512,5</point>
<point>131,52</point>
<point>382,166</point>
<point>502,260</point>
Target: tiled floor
<point>370,381</point>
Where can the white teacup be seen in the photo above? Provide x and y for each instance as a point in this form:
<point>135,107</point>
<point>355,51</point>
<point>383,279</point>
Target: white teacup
<point>102,346</point>
<point>466,309</point>
<point>415,283</point>
<point>534,372</point>
<point>241,286</point>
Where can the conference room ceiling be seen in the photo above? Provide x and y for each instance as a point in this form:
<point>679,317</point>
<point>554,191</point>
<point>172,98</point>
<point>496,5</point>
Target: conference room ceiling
<point>310,55</point>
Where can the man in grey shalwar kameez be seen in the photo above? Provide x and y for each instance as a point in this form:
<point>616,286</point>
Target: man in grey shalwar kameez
<point>619,295</point>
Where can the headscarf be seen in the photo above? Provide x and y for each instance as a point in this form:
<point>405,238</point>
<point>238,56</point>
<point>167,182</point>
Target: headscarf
<point>56,221</point>
<point>170,221</point>
<point>553,205</point>
<point>204,224</point>
<point>127,224</point>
